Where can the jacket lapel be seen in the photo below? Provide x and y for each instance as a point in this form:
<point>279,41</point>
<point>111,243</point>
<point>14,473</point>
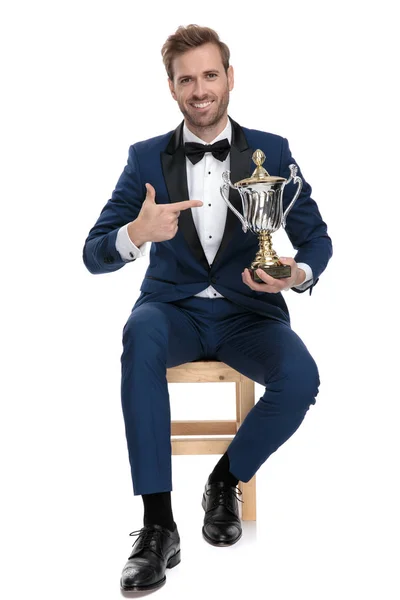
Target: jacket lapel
<point>173,163</point>
<point>240,159</point>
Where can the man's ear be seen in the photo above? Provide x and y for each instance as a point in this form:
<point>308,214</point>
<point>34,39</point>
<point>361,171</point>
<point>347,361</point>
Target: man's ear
<point>171,88</point>
<point>231,78</point>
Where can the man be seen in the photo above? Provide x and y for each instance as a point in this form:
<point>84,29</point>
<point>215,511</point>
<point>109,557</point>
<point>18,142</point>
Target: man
<point>198,299</point>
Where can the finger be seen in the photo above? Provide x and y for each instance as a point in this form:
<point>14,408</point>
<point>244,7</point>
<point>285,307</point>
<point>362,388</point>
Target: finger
<point>150,192</point>
<point>246,278</point>
<point>265,277</point>
<point>274,285</point>
<point>150,188</point>
<point>184,205</point>
<point>258,287</point>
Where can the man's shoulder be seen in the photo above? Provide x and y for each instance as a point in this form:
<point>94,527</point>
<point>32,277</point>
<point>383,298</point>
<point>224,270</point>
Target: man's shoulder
<point>255,135</point>
<point>273,145</point>
<point>149,145</point>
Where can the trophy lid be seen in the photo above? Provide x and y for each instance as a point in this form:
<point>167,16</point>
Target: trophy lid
<point>259,175</point>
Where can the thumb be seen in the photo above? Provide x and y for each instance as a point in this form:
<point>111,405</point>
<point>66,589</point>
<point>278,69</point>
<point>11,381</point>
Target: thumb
<point>286,261</point>
<point>151,192</point>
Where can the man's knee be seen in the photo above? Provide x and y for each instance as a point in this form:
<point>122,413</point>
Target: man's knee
<point>309,380</point>
<point>298,380</point>
<point>147,323</point>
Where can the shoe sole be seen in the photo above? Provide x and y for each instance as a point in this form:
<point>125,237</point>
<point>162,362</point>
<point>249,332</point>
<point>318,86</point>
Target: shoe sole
<point>173,561</point>
<point>211,541</point>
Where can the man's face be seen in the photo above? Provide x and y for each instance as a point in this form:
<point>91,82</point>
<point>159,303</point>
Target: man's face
<point>201,86</point>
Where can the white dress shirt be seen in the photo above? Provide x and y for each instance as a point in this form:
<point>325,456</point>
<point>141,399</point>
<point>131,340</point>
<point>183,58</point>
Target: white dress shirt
<point>204,180</point>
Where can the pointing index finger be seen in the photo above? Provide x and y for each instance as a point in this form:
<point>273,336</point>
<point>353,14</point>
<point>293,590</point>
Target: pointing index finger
<point>177,206</point>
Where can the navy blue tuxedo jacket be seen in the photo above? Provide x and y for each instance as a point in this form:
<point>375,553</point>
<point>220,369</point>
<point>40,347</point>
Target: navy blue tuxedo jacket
<point>178,268</point>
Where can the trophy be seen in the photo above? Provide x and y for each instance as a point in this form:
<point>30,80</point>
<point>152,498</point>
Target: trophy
<point>262,203</point>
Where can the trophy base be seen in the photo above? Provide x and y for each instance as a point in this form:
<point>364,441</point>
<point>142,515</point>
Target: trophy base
<point>276,271</point>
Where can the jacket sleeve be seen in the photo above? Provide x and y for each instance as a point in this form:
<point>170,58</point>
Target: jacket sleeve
<point>304,225</point>
<point>99,252</point>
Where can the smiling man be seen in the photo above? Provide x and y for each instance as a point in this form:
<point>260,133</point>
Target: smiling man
<point>198,300</point>
<point>202,93</point>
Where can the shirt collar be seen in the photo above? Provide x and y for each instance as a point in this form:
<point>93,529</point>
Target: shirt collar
<point>188,136</point>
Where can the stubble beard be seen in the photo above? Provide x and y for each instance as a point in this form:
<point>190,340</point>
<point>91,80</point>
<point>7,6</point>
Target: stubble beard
<point>205,123</point>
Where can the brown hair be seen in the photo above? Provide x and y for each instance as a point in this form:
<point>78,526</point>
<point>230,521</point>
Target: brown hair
<point>186,38</point>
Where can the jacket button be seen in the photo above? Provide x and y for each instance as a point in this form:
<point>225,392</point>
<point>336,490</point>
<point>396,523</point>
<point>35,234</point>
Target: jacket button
<point>213,280</point>
<point>109,259</point>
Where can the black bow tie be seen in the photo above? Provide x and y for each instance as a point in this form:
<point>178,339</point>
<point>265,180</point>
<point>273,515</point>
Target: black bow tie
<point>195,151</point>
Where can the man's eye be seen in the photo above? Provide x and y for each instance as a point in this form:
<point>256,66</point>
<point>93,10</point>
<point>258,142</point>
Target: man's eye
<point>185,80</point>
<point>211,75</point>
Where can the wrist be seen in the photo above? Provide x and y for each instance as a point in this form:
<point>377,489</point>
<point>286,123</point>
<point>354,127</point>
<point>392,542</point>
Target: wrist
<point>301,277</point>
<point>135,234</point>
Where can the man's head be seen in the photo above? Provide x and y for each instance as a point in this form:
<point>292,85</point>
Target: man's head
<point>199,75</point>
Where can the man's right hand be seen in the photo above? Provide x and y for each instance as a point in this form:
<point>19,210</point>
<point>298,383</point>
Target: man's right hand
<point>157,222</point>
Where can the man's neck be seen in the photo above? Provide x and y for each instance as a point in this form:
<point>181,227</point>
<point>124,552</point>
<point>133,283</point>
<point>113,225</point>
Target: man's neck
<point>208,134</point>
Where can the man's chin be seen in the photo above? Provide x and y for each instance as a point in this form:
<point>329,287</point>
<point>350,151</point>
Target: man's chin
<point>202,120</point>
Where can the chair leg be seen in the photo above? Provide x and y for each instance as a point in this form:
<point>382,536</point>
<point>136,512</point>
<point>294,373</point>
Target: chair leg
<point>248,498</point>
<point>244,403</point>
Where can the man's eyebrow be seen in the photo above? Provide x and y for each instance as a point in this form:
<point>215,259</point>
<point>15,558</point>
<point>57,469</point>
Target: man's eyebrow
<point>204,73</point>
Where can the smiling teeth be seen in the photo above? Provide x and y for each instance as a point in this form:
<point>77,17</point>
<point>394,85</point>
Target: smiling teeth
<point>202,105</point>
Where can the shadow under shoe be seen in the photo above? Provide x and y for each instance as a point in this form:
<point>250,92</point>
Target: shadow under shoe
<point>222,525</point>
<point>155,550</point>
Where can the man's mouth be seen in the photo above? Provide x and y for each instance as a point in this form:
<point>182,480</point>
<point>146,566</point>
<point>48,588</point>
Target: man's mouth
<point>201,105</point>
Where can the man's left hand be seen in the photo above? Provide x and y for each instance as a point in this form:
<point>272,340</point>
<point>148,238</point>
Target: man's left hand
<point>271,285</point>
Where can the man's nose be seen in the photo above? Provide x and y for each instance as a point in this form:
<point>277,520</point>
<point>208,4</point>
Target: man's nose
<point>200,89</point>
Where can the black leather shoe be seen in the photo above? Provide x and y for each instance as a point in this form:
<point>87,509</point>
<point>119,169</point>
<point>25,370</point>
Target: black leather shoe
<point>155,550</point>
<point>222,525</point>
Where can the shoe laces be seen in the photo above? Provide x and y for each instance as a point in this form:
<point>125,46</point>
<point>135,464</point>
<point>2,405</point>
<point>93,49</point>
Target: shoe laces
<point>146,536</point>
<point>223,494</point>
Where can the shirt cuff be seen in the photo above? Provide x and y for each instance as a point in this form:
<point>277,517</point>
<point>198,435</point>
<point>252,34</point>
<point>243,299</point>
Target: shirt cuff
<point>309,277</point>
<point>126,248</point>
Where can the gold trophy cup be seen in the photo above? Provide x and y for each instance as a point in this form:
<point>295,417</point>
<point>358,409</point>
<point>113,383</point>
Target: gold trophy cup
<point>262,203</point>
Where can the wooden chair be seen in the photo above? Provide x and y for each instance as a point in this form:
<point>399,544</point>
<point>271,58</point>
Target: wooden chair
<point>214,371</point>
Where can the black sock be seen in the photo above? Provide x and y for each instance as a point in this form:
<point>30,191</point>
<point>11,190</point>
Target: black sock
<point>158,511</point>
<point>221,472</point>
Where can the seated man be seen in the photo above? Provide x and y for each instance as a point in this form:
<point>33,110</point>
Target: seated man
<point>198,300</point>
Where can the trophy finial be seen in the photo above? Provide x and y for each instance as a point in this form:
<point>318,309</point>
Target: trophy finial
<point>259,172</point>
<point>258,157</point>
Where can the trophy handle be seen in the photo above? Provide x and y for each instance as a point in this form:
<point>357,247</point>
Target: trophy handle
<point>224,189</point>
<point>299,181</point>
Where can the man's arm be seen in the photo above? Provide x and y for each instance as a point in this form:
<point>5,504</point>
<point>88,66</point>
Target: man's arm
<point>100,253</point>
<point>304,225</point>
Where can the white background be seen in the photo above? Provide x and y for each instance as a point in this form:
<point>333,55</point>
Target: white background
<point>81,81</point>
